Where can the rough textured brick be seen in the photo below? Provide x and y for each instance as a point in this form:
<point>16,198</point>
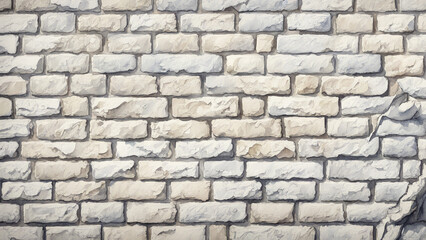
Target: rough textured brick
<point>130,190</point>
<point>61,170</point>
<point>354,105</point>
<point>61,129</point>
<point>207,22</point>
<point>151,212</point>
<point>12,85</point>
<point>9,213</point>
<point>114,129</point>
<point>62,43</point>
<point>252,107</point>
<point>246,128</point>
<point>15,170</point>
<point>321,212</point>
<point>178,232</point>
<point>288,190</point>
<point>227,42</point>
<point>21,64</point>
<point>152,23</point>
<point>8,43</point>
<point>383,43</point>
<point>265,149</point>
<point>180,85</point>
<point>122,5</point>
<point>218,169</point>
<point>18,23</point>
<point>326,5</point>
<point>346,232</point>
<point>125,233</point>
<point>250,5</point>
<point>354,23</point>
<point>163,63</point>
<point>204,149</point>
<point>133,85</point>
<point>205,107</point>
<point>230,190</point>
<point>395,23</point>
<point>176,43</point>
<point>75,106</point>
<point>306,84</point>
<point>180,129</point>
<point>144,149</point>
<point>390,191</point>
<point>271,212</point>
<point>176,5</point>
<point>8,149</point>
<point>330,148</point>
<point>10,128</point>
<point>50,212</point>
<point>362,63</point>
<point>106,22</point>
<point>37,107</point>
<point>261,22</point>
<point>212,212</point>
<point>343,191</point>
<point>287,64</point>
<point>113,169</point>
<point>264,43</point>
<point>121,107</point>
<point>30,233</point>
<point>413,5</point>
<point>314,22</point>
<point>408,65</point>
<point>26,191</point>
<point>416,43</point>
<point>63,150</point>
<point>273,232</point>
<point>6,109</point>
<point>376,6</point>
<point>109,212</point>
<point>303,106</point>
<point>244,64</point>
<point>80,190</point>
<point>190,190</point>
<point>129,43</point>
<point>309,43</point>
<point>363,170</point>
<point>347,85</point>
<point>74,232</point>
<point>399,147</point>
<point>88,84</point>
<point>282,170</point>
<point>50,85</point>
<point>348,127</point>
<point>167,170</point>
<point>110,63</point>
<point>301,126</point>
<point>367,212</point>
<point>57,22</point>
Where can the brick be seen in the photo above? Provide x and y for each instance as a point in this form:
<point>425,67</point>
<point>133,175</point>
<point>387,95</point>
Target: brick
<point>376,6</point>
<point>287,64</point>
<point>176,5</point>
<point>343,191</point>
<point>346,232</point>
<point>88,84</point>
<point>273,232</point>
<point>108,212</point>
<point>227,42</point>
<point>241,190</point>
<point>26,191</point>
<point>8,43</point>
<point>113,169</point>
<point>61,170</point>
<point>412,5</point>
<point>62,43</point>
<point>194,212</point>
<point>326,5</point>
<point>250,5</point>
<point>400,147</point>
<point>130,190</point>
<point>303,126</point>
<point>404,65</point>
<point>129,43</point>
<point>204,149</point>
<point>383,43</point>
<point>124,5</point>
<point>178,129</point>
<point>10,128</point>
<point>67,62</point>
<point>121,107</point>
<point>57,22</point>
<point>111,63</point>
<point>64,150</point>
<point>21,64</point>
<point>61,129</point>
<point>132,129</point>
<point>6,109</point>
<point>271,212</point>
<point>252,107</point>
<point>303,106</point>
<point>152,23</point>
<point>190,63</point>
<point>37,107</point>
<point>245,64</point>
<point>133,85</point>
<point>205,107</point>
<point>219,169</point>
<point>5,4</point>
<point>178,232</point>
<point>422,148</point>
<point>207,22</point>
<point>395,23</point>
<point>390,191</point>
<point>12,85</point>
<point>217,232</point>
<point>354,105</point>
<point>416,43</point>
<point>363,170</point>
<point>367,212</point>
<point>176,43</point>
<point>151,212</point>
<point>313,22</point>
<point>421,23</point>
<point>411,169</point>
<point>361,63</point>
<point>321,212</point>
<point>125,232</point>
<point>290,190</point>
<point>348,127</point>
<point>74,232</point>
<point>354,23</point>
<point>79,191</point>
<point>331,148</point>
<point>264,43</point>
<point>167,170</point>
<point>246,128</point>
<point>250,85</point>
<point>15,170</point>
<point>28,233</point>
<point>309,43</point>
<point>75,106</point>
<point>199,190</point>
<point>143,149</point>
<point>265,149</point>
<point>9,213</point>
<point>8,149</point>
<point>261,22</point>
<point>49,85</point>
<point>306,84</point>
<point>18,23</point>
<point>50,213</point>
<point>105,22</point>
<point>284,170</point>
<point>180,85</point>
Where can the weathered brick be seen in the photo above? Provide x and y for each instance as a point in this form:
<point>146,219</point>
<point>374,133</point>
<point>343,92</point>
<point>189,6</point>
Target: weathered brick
<point>348,127</point>
<point>331,148</point>
<point>233,190</point>
<point>212,212</point>
<point>362,212</point>
<point>400,147</point>
<point>287,64</point>
<point>416,43</point>
<point>309,43</point>
<point>346,232</point>
<point>340,85</point>
<point>20,232</point>
<point>390,191</point>
<point>130,190</point>
<point>37,107</point>
<point>8,43</point>
<point>176,43</point>
<point>326,5</point>
<point>67,62</point>
<point>88,84</point>
<point>79,191</point>
<point>111,63</point>
<point>61,129</point>
<point>63,150</point>
<point>313,22</point>
<point>18,23</point>
<point>62,43</point>
<point>261,22</point>
<point>219,169</point>
<point>321,212</point>
<point>10,128</point>
<point>153,23</point>
<point>361,63</point>
<point>8,149</point>
<point>57,22</point>
<point>265,149</point>
<point>204,149</point>
<point>43,5</point>
<point>412,5</point>
<point>129,43</point>
<point>250,5</point>
<point>9,213</point>
<point>245,64</point>
<point>151,212</point>
<point>61,170</point>
<point>264,43</point>
<point>407,65</point>
<point>50,213</point>
<point>303,106</point>
<point>144,149</point>
<point>178,232</point>
<point>124,5</point>
<point>12,85</point>
<point>354,105</point>
<point>354,23</point>
<point>6,109</point>
<point>207,22</point>
<point>49,85</point>
<point>133,85</point>
<point>26,191</point>
<point>180,85</point>
<point>288,190</point>
<point>307,84</point>
<point>199,190</point>
<point>343,191</point>
<point>363,170</point>
<point>120,107</point>
<point>227,42</point>
<point>112,169</point>
<point>252,107</point>
<point>167,170</point>
<point>74,232</point>
<point>246,128</point>
<point>21,64</point>
<point>125,232</point>
<point>180,129</point>
<point>383,43</point>
<point>273,232</point>
<point>176,5</point>
<point>107,212</point>
<point>15,170</point>
<point>75,106</point>
<point>271,212</point>
<point>376,6</point>
<point>304,126</point>
<point>395,23</point>
<point>191,63</point>
<point>205,107</point>
<point>284,170</point>
<point>105,22</point>
<point>131,129</point>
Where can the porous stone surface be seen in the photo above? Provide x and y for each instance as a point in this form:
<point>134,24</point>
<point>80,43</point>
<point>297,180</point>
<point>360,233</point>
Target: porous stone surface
<point>212,119</point>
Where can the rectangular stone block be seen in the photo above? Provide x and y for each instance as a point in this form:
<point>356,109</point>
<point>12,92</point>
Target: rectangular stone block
<point>404,65</point>
<point>354,105</point>
<point>348,127</point>
<point>49,85</point>
<point>178,129</point>
<point>178,232</point>
<point>233,190</point>
<point>9,213</point>
<point>331,148</point>
<point>67,62</point>
<point>80,191</point>
<point>176,43</point>
<point>346,232</point>
<point>8,43</point>
<point>12,85</point>
<point>204,149</point>
<point>129,43</point>
<point>219,169</point>
<point>321,212</point>
<point>227,42</point>
<point>309,43</point>
<point>250,5</point>
<point>326,5</point>
<point>130,190</point>
<point>284,170</point>
<point>180,85</point>
<point>125,232</point>
<point>50,213</point>
<point>37,107</point>
<point>304,126</point>
<point>63,150</point>
<point>21,64</point>
<point>152,23</point>
<point>61,170</point>
<point>344,191</point>
<point>313,22</point>
<point>290,190</point>
<point>246,128</point>
<point>357,170</point>
<point>273,232</point>
<point>199,190</point>
<point>18,23</point>
<point>207,22</point>
<point>271,212</point>
<point>10,128</point>
<point>75,43</point>
<point>361,63</point>
<point>354,23</point>
<point>144,149</point>
<point>167,170</point>
<point>362,212</point>
<point>57,22</point>
<point>107,212</point>
<point>61,129</point>
<point>287,64</point>
<point>176,5</point>
<point>112,63</point>
<point>348,85</point>
<point>126,5</point>
<point>121,107</point>
<point>303,106</point>
<point>104,22</point>
<point>190,63</point>
<point>265,149</point>
<point>88,84</point>
<point>15,170</point>
<point>28,233</point>
<point>151,212</point>
<point>26,191</point>
<point>205,107</point>
<point>113,169</point>
<point>261,22</point>
<point>132,129</point>
<point>74,232</point>
<point>212,212</point>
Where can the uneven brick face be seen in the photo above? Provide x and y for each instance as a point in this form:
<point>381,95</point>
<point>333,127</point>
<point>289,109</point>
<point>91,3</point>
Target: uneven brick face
<point>212,119</point>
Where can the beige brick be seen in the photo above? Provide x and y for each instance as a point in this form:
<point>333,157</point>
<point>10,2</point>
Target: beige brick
<point>302,126</point>
<point>61,129</point>
<point>12,85</point>
<point>37,107</point>
<point>264,43</point>
<point>79,191</point>
<point>321,212</point>
<point>408,65</point>
<point>340,85</point>
<point>63,150</point>
<point>105,212</point>
<point>395,23</point>
<point>180,85</point>
<point>217,232</point>
<point>190,190</point>
<point>130,190</point>
<point>265,149</point>
<point>303,106</point>
<point>383,43</point>
<point>246,128</point>
<point>227,42</point>
<point>354,23</point>
<point>151,212</point>
<point>153,23</point>
<point>26,191</point>
<point>105,22</point>
<point>133,85</point>
<point>51,213</point>
<point>61,170</point>
<point>252,107</point>
<point>88,84</point>
<point>178,232</point>
<point>129,107</point>
<point>421,23</point>
<point>306,84</point>
<point>125,233</point>
<point>123,5</point>
<point>376,5</point>
<point>205,107</point>
<point>167,170</point>
<point>176,43</point>
<point>271,212</point>
<point>62,43</point>
<point>207,22</point>
<point>75,106</point>
<point>245,63</point>
<point>49,85</point>
<point>131,129</point>
<point>6,109</point>
<point>129,43</point>
<point>180,129</point>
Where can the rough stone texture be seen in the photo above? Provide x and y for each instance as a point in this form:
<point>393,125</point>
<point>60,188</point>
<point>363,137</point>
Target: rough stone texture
<point>212,119</point>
